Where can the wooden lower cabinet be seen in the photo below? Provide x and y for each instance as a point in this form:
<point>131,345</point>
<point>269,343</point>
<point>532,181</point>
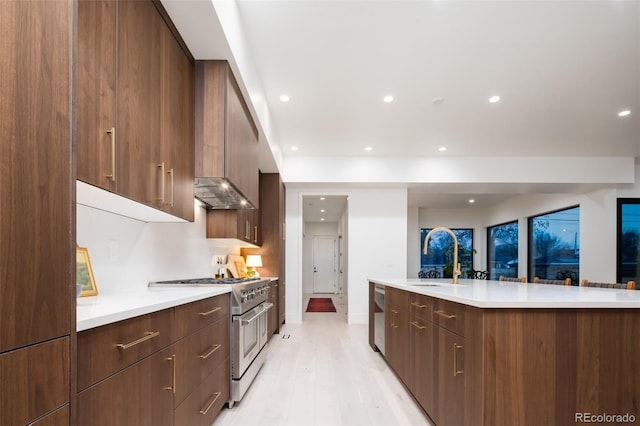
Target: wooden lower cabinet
<point>59,417</point>
<point>205,402</point>
<point>164,368</point>
<point>33,381</point>
<point>140,395</point>
<point>509,366</point>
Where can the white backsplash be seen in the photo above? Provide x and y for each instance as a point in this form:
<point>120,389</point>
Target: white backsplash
<point>125,252</point>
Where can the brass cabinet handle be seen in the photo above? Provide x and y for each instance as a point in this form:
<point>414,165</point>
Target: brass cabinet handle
<point>444,314</point>
<point>208,354</point>
<point>149,335</point>
<point>417,305</point>
<point>255,239</point>
<point>247,230</point>
<point>212,401</point>
<point>170,173</point>
<point>204,314</point>
<point>172,388</point>
<point>112,133</point>
<point>417,325</point>
<point>455,360</point>
<point>161,183</point>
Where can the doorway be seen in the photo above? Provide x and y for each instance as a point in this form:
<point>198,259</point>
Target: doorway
<point>324,249</point>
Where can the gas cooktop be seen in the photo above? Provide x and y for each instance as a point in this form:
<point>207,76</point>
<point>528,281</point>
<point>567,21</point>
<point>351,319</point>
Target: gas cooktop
<point>195,282</point>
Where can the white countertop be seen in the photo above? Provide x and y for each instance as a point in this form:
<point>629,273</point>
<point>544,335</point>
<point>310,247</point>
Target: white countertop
<point>94,311</point>
<point>501,294</point>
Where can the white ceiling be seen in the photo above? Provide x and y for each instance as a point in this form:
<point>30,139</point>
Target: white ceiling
<point>563,70</point>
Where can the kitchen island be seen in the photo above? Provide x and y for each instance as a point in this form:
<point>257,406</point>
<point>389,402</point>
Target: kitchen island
<point>503,353</point>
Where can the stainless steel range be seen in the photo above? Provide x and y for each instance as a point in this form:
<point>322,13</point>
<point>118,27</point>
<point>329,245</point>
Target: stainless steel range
<point>249,326</point>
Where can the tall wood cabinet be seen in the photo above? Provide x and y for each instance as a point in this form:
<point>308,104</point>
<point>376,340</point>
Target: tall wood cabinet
<point>272,249</point>
<point>134,121</point>
<point>36,215</point>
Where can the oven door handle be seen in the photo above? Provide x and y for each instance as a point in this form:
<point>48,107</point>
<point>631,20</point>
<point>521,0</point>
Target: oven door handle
<point>266,306</point>
<point>252,319</point>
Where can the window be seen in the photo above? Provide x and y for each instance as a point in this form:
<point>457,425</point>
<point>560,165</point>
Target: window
<point>628,240</point>
<point>554,245</point>
<point>502,250</point>
<point>440,254</point>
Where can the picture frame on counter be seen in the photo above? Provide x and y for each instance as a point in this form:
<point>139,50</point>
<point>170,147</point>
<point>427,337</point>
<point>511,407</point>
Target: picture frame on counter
<point>84,273</point>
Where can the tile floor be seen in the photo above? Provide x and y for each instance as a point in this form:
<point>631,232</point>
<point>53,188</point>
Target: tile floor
<point>323,372</point>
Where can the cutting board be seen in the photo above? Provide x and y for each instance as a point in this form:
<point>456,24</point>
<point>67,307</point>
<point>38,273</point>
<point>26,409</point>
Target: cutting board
<point>231,264</point>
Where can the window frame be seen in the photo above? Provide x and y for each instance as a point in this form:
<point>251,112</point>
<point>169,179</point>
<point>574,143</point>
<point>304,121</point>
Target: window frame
<point>530,220</point>
<point>620,202</point>
<point>517,224</point>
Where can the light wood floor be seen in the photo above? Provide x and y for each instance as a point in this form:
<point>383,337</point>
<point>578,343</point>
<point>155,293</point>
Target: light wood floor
<point>323,372</point>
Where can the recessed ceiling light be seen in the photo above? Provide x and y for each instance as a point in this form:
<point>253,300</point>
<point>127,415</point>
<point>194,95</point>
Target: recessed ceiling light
<point>368,148</point>
<point>322,198</point>
<point>284,98</point>
<point>321,210</point>
<point>294,148</point>
<point>322,219</point>
<point>437,101</point>
<point>471,201</point>
<point>442,149</point>
<point>494,99</point>
<point>388,99</point>
<point>624,113</point>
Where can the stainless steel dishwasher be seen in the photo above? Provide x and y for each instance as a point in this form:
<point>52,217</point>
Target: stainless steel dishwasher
<point>378,318</point>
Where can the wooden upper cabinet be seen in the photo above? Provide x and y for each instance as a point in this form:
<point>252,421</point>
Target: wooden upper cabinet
<point>36,212</point>
<point>226,136</point>
<point>134,126</point>
<point>95,116</point>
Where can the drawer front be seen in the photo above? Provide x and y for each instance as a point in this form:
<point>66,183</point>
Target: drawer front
<point>397,298</point>
<point>193,316</point>
<point>33,381</point>
<point>199,354</point>
<point>204,404</point>
<point>449,315</point>
<point>105,350</point>
<point>421,306</point>
<point>140,395</point>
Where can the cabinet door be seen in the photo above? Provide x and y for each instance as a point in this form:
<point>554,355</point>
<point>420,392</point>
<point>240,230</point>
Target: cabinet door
<point>139,164</point>
<point>422,378</point>
<point>140,395</point>
<point>450,378</point>
<point>273,316</point>
<point>397,340</point>
<point>36,211</point>
<point>95,121</point>
<point>241,144</point>
<point>33,381</point>
<point>177,139</point>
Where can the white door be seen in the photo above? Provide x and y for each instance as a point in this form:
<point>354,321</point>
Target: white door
<point>324,264</point>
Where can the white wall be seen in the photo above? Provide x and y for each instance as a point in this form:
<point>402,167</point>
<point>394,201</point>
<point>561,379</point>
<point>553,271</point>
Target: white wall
<point>126,252</point>
<point>377,243</point>
<point>313,229</point>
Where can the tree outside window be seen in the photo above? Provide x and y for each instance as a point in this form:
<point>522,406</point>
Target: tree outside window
<point>502,250</point>
<point>554,245</point>
<point>440,254</point>
<point>628,258</point>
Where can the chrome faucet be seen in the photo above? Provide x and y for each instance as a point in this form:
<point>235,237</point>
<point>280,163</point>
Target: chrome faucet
<point>456,265</point>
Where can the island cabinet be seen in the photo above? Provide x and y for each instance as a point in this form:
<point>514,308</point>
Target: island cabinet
<point>169,367</point>
<point>37,212</point>
<point>397,332</point>
<point>506,366</point>
<point>134,117</point>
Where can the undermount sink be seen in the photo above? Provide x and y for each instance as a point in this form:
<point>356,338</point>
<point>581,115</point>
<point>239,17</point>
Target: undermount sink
<point>433,284</point>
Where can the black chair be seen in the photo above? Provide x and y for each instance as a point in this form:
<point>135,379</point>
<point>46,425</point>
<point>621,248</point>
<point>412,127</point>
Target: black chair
<point>563,275</point>
<point>478,275</point>
<point>429,274</point>
<point>422,274</point>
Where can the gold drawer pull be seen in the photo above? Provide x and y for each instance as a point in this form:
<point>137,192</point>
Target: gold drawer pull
<point>417,305</point>
<point>455,360</point>
<point>148,335</point>
<point>417,324</point>
<point>204,314</point>
<point>208,354</point>
<point>172,388</point>
<point>212,401</point>
<point>444,314</point>
<point>112,134</point>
